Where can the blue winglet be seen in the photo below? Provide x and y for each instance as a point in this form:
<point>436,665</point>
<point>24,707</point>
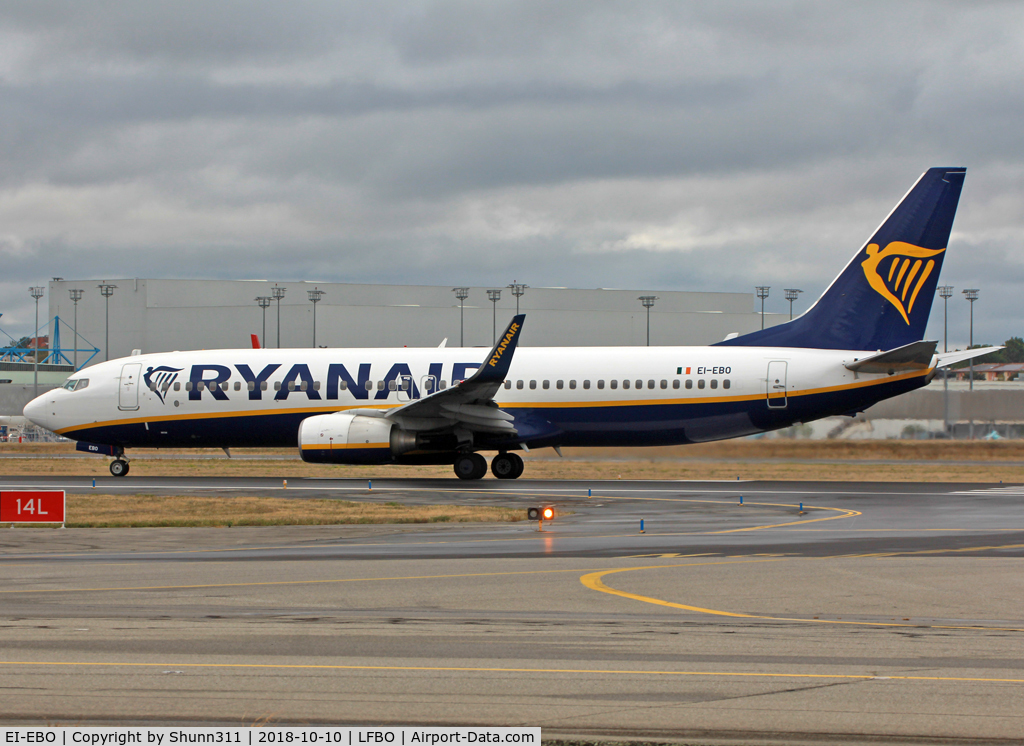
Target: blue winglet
<point>496,365</point>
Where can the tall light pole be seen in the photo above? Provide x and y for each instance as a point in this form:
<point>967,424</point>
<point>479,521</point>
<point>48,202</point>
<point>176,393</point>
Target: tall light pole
<point>946,292</point>
<point>107,290</point>
<point>37,293</point>
<point>461,294</point>
<point>791,295</point>
<point>494,296</point>
<point>971,294</point>
<point>76,295</point>
<point>648,301</point>
<point>264,301</point>
<point>278,294</point>
<point>762,293</point>
<point>518,290</point>
<point>314,297</point>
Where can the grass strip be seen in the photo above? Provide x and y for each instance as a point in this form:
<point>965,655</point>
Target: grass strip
<point>179,511</point>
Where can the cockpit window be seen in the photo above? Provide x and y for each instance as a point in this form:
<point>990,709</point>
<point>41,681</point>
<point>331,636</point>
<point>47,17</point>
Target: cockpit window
<point>76,384</point>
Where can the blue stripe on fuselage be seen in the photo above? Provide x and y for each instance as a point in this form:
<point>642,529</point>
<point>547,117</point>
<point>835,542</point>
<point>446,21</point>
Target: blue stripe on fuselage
<point>575,425</point>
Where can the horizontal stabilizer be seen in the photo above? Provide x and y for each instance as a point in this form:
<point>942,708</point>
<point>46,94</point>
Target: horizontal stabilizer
<point>952,358</point>
<point>914,356</point>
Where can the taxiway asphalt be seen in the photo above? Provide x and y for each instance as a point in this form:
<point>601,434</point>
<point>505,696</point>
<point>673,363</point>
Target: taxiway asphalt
<point>884,611</point>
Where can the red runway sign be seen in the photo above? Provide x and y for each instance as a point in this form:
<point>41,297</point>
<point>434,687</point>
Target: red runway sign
<point>23,506</point>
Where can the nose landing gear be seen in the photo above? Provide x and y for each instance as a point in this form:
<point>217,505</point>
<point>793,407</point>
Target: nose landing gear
<point>119,467</point>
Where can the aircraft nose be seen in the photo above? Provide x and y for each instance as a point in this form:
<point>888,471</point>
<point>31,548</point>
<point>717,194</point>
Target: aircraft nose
<point>38,413</point>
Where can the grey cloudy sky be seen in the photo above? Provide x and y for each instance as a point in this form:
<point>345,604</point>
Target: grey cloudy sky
<point>672,145</point>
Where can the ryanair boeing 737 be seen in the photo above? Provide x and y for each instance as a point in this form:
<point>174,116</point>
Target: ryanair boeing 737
<point>860,343</point>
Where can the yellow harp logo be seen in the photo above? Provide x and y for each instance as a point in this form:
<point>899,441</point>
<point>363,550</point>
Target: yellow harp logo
<point>897,268</point>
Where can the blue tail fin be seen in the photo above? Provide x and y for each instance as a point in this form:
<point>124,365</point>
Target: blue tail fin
<point>882,299</point>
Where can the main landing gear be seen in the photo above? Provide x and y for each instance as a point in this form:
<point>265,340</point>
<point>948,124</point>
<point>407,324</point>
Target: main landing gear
<point>474,466</point>
<point>507,466</point>
<point>470,466</point>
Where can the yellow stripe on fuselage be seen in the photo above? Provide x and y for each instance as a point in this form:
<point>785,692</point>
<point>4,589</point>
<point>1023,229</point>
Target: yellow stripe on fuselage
<point>333,446</point>
<point>511,406</point>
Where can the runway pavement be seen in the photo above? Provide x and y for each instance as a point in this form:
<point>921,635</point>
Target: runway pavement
<point>885,611</point>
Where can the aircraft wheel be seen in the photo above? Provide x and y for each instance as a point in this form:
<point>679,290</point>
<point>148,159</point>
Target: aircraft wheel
<point>518,461</point>
<point>503,467</point>
<point>119,468</point>
<point>507,466</point>
<point>470,466</point>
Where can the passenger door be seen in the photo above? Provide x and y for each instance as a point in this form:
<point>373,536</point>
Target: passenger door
<point>776,384</point>
<point>128,395</point>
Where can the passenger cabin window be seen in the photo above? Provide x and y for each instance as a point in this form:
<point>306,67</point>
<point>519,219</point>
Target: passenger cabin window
<point>344,385</point>
<point>675,383</point>
<point>316,385</point>
<point>664,383</point>
<point>689,383</point>
<point>277,385</point>
<point>392,385</point>
<point>726,384</point>
<point>442,384</point>
<point>533,384</point>
<point>177,386</point>
<point>625,384</point>
<point>650,384</point>
<point>252,385</point>
<point>714,383</point>
<point>600,383</point>
<point>700,383</point>
<point>238,385</point>
<point>639,384</point>
<point>546,384</point>
<point>263,385</point>
<point>572,383</point>
<point>188,385</point>
<point>369,386</point>
<point>508,384</point>
<point>559,383</point>
<point>519,384</point>
<point>291,385</point>
<point>613,384</point>
<point>586,384</point>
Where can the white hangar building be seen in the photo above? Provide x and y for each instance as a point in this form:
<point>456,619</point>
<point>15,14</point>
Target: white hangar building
<point>164,315</point>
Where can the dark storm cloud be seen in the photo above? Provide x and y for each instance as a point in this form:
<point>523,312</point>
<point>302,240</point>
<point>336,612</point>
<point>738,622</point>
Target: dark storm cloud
<point>661,145</point>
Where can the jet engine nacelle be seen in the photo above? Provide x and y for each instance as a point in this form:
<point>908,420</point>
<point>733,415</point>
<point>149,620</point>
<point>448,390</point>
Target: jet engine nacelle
<point>346,438</point>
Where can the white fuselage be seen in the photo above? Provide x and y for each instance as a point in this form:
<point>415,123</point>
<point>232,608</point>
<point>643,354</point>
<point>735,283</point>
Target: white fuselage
<point>559,396</point>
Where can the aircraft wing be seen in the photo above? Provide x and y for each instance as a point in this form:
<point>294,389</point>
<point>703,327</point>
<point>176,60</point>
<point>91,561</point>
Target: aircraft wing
<point>469,404</point>
<point>951,358</point>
